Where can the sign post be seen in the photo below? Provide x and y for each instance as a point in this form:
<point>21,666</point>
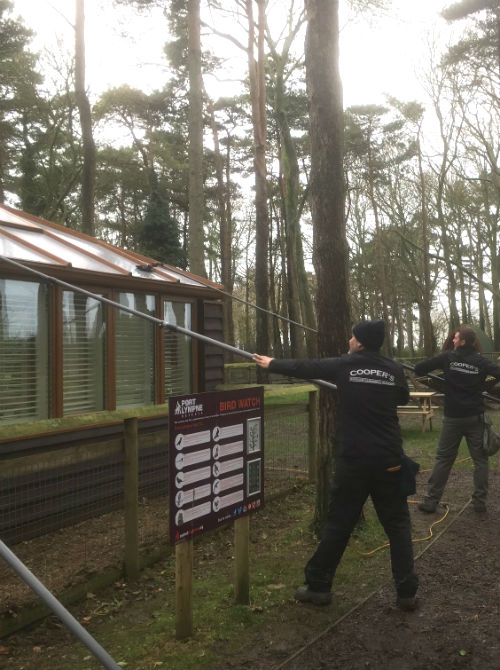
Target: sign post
<point>216,466</point>
<point>242,560</point>
<point>184,590</point>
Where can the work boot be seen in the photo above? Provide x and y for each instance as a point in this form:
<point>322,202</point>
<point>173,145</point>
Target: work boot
<point>304,595</point>
<point>407,604</point>
<point>427,505</point>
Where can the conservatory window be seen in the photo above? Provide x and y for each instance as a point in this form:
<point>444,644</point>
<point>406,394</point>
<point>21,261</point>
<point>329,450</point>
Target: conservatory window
<point>178,350</point>
<point>24,351</point>
<point>83,353</point>
<point>135,346</point>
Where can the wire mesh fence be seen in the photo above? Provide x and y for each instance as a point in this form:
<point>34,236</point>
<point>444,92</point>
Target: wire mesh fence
<point>287,442</point>
<point>62,512</point>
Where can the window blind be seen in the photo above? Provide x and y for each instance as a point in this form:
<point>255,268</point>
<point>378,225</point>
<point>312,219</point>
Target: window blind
<point>24,351</point>
<point>83,353</point>
<point>178,358</point>
<point>135,360</point>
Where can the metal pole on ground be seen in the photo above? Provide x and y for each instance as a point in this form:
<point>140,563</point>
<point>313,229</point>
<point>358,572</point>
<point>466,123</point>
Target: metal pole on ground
<point>59,610</point>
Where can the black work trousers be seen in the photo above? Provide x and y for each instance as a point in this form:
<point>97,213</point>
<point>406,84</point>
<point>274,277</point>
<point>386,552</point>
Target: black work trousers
<point>350,489</point>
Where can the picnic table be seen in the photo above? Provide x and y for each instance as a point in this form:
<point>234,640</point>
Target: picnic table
<point>421,405</point>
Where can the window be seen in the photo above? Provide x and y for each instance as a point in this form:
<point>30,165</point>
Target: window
<point>178,350</point>
<point>135,379</point>
<point>24,351</point>
<point>83,353</point>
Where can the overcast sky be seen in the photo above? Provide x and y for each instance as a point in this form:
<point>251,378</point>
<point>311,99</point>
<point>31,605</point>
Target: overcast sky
<point>381,56</point>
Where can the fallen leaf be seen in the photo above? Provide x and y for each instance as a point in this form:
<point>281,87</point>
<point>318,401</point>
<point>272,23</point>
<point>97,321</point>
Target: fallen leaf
<point>4,651</point>
<point>37,650</point>
<point>275,587</point>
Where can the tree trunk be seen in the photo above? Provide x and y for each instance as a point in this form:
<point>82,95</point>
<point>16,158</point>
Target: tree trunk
<point>495,281</point>
<point>386,348</point>
<point>256,71</point>
<point>324,89</point>
<point>196,242</point>
<point>426,288</point>
<point>409,328</point>
<point>89,152</point>
<point>225,235</point>
<point>289,185</point>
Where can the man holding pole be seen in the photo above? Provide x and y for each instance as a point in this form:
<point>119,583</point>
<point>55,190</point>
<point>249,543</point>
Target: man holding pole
<point>371,460</point>
<point>465,372</point>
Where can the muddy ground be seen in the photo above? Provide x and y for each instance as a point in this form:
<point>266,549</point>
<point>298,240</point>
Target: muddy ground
<point>456,625</point>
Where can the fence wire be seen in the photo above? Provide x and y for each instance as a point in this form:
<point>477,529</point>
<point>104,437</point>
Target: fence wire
<point>65,519</point>
<point>286,455</point>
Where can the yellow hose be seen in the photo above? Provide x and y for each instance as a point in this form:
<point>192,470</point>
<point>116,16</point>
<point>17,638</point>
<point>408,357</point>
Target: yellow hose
<point>369,554</point>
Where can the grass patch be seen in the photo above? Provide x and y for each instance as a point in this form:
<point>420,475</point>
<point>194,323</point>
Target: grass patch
<point>135,622</point>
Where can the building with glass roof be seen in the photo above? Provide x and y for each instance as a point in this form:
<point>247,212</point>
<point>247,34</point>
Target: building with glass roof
<point>63,352</point>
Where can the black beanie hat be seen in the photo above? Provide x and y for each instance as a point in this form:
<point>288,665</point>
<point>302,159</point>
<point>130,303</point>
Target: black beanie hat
<point>370,333</point>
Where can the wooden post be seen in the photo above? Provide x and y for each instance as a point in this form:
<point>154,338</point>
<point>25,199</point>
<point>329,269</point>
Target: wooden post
<point>184,589</point>
<point>313,434</point>
<point>131,485</point>
<point>241,560</point>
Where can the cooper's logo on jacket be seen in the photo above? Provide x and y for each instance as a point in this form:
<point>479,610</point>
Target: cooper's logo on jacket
<point>465,368</point>
<point>372,376</point>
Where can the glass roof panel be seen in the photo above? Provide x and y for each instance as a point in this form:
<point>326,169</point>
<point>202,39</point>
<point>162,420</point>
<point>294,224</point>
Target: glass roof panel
<point>32,232</point>
<point>62,251</point>
<point>12,249</point>
<point>10,217</point>
<point>106,253</point>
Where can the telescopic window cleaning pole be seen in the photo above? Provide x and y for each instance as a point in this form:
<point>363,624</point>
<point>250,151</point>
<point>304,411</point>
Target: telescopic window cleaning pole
<point>148,317</point>
<point>486,396</point>
<point>193,334</point>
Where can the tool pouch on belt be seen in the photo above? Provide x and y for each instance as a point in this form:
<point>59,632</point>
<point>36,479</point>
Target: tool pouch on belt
<point>409,469</point>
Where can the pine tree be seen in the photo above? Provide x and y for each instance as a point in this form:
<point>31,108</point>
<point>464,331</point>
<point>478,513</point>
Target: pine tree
<point>159,235</point>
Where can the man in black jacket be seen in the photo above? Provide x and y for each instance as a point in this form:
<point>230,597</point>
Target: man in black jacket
<point>370,461</point>
<point>465,372</point>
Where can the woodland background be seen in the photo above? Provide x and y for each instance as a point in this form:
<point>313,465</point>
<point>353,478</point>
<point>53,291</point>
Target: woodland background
<point>225,187</point>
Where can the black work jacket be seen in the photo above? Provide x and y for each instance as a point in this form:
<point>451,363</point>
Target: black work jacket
<point>370,389</point>
<point>464,373</point>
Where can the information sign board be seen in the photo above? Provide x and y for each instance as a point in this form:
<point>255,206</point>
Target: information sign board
<point>216,459</point>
